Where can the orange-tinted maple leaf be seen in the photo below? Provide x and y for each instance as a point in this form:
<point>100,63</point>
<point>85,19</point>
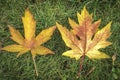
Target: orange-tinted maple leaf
<point>85,38</point>
<point>30,42</point>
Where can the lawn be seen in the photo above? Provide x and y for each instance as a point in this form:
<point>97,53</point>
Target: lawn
<point>58,67</point>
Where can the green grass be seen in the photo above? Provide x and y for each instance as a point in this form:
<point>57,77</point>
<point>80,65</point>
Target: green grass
<point>57,67</point>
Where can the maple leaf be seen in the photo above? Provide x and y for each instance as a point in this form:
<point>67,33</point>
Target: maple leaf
<point>85,39</point>
<point>30,42</point>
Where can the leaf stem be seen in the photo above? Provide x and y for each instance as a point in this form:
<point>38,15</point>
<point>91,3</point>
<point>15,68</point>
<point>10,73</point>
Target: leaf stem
<point>36,71</point>
<point>81,66</point>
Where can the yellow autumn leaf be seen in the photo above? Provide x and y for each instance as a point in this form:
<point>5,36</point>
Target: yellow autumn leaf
<point>30,42</point>
<point>85,37</point>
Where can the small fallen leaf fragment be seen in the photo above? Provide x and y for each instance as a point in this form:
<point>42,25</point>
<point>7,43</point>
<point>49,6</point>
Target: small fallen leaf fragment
<point>113,59</point>
<point>90,71</point>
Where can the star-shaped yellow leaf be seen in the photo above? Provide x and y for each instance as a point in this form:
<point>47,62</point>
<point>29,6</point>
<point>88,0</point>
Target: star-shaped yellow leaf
<point>85,38</point>
<point>29,42</point>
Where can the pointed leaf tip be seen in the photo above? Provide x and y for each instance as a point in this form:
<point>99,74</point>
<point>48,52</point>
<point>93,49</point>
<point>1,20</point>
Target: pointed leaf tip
<point>84,8</point>
<point>57,23</point>
<point>84,12</point>
<point>110,23</point>
<point>72,23</point>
